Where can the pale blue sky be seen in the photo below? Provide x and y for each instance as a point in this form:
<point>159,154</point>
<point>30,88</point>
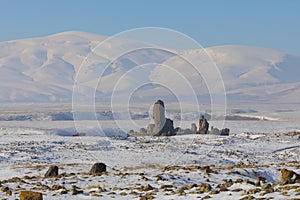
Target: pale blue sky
<point>264,23</point>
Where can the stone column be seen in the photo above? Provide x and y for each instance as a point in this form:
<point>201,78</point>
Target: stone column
<point>158,116</point>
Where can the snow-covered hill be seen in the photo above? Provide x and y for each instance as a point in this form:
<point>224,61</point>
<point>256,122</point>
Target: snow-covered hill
<point>44,70</point>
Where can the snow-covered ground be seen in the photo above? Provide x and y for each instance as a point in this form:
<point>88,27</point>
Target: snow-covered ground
<point>170,165</point>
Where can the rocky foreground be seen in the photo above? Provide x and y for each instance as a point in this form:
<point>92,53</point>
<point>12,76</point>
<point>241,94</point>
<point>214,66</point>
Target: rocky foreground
<point>240,166</point>
<point>173,181</point>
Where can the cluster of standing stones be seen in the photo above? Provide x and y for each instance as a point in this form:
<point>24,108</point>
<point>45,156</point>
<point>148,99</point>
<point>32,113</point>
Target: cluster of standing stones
<point>165,127</point>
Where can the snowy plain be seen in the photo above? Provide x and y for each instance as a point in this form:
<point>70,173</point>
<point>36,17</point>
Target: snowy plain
<point>254,148</point>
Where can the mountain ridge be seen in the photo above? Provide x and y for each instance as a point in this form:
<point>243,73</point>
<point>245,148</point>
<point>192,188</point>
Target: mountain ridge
<point>43,69</point>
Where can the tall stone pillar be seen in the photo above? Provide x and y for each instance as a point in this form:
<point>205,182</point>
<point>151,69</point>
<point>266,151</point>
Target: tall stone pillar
<point>158,116</point>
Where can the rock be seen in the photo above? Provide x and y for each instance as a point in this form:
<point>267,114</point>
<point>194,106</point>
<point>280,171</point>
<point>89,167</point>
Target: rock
<point>259,179</point>
<point>76,190</point>
<point>30,195</point>
<point>148,187</point>
<point>214,131</point>
<point>142,131</point>
<point>186,187</point>
<point>207,170</point>
<point>203,125</point>
<point>239,180</point>
<point>225,132</point>
<point>147,196</point>
<point>8,192</point>
<point>5,189</point>
<point>216,192</point>
<point>123,194</point>
<point>178,130</point>
<point>193,128</point>
<point>98,168</point>
<point>237,190</point>
<point>254,191</point>
<point>267,188</point>
<point>162,125</point>
<point>131,133</point>
<point>168,129</point>
<point>58,187</point>
<point>289,176</point>
<point>206,197</point>
<point>52,172</point>
<point>205,187</point>
<point>79,134</point>
<point>247,198</point>
<point>226,185</point>
<point>248,182</point>
<point>64,192</point>
<point>159,117</point>
<point>150,129</point>
<point>15,180</point>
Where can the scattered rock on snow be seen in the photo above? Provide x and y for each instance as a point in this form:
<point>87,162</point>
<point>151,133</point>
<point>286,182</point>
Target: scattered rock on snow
<point>260,180</point>
<point>147,196</point>
<point>148,187</point>
<point>52,172</point>
<point>7,190</point>
<point>289,176</point>
<point>267,188</point>
<point>207,170</point>
<point>76,190</point>
<point>4,188</point>
<point>205,187</point>
<point>58,187</point>
<point>225,132</point>
<point>98,169</point>
<point>30,195</point>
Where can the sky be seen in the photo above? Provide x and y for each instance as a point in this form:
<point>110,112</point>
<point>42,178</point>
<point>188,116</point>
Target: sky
<point>264,23</point>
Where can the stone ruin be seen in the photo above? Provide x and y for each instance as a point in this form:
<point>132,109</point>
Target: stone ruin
<point>192,130</point>
<point>162,126</point>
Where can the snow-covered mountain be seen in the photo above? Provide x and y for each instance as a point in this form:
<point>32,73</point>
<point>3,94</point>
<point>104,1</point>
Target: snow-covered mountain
<point>44,70</point>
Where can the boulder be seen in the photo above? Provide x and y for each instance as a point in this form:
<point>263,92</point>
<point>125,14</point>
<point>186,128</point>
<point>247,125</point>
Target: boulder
<point>178,130</point>
<point>30,195</point>
<point>205,187</point>
<point>98,169</point>
<point>289,176</point>
<point>76,190</point>
<point>142,131</point>
<point>131,133</point>
<point>225,132</point>
<point>167,130</point>
<point>52,172</point>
